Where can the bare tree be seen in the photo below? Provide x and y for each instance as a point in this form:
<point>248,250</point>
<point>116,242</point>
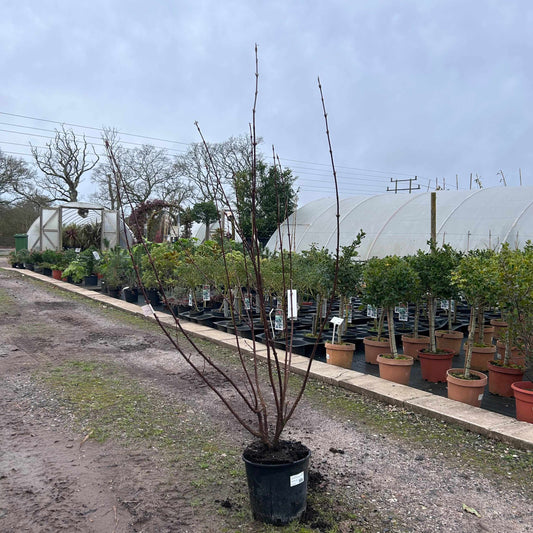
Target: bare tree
<point>148,174</point>
<point>106,192</point>
<point>227,158</point>
<point>17,181</point>
<point>63,161</point>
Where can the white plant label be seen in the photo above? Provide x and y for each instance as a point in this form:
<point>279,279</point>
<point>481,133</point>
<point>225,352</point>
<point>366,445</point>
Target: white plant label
<point>371,311</point>
<point>206,293</point>
<point>278,320</point>
<point>292,304</point>
<point>297,479</point>
<point>480,397</point>
<point>96,255</point>
<point>148,310</point>
<point>77,250</point>
<point>402,311</point>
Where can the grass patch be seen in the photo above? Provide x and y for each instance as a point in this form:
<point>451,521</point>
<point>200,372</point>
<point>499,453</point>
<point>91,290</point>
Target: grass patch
<point>103,401</point>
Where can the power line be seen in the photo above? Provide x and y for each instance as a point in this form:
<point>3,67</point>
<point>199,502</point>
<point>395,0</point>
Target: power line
<point>187,144</point>
<point>90,128</point>
<point>349,173</point>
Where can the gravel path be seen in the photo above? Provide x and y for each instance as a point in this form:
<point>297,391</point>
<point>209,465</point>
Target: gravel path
<point>52,478</point>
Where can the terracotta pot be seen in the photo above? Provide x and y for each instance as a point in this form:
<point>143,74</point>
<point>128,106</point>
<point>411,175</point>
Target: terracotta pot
<point>373,348</point>
<point>397,370</point>
<point>481,355</point>
<point>435,365</point>
<point>340,354</point>
<point>449,340</point>
<point>502,377</point>
<point>411,345</point>
<point>57,274</point>
<point>468,391</point>
<point>517,357</point>
<point>488,332</point>
<point>499,327</point>
<point>523,393</point>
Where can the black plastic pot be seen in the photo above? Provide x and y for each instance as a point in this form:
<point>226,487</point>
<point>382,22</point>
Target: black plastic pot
<point>278,492</point>
<point>90,281</point>
<point>131,295</point>
<point>153,297</point>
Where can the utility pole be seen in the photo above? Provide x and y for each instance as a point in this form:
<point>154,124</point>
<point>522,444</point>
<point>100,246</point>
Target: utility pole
<point>410,188</point>
<point>433,220</point>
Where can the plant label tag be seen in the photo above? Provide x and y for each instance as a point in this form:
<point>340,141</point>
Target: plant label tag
<point>297,479</point>
<point>403,315</point>
<point>148,310</point>
<point>77,250</point>
<point>96,255</point>
<point>206,293</point>
<point>480,397</point>
<point>292,304</point>
<point>278,320</point>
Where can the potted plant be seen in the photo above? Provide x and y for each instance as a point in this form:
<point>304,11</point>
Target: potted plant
<point>515,270</point>
<point>434,269</point>
<point>388,281</point>
<point>413,342</point>
<point>475,277</point>
<point>277,470</point>
<point>34,259</point>
<point>114,269</point>
<point>348,280</point>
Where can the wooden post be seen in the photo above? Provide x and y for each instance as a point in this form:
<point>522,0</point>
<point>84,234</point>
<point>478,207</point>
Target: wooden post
<point>433,219</point>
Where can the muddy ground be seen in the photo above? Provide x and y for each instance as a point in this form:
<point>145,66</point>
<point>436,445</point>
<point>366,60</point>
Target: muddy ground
<point>60,470</point>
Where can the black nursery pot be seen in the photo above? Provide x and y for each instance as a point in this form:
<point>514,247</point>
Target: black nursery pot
<point>278,492</point>
<point>131,295</point>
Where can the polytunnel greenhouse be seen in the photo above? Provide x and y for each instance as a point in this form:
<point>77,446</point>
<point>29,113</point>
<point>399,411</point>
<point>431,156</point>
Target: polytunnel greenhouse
<point>400,224</point>
<point>46,231</point>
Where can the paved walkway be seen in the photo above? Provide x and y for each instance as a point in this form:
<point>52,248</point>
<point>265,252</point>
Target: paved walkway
<point>491,424</point>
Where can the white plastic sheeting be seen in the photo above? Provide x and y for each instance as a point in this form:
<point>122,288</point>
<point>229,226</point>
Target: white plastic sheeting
<point>44,232</point>
<point>401,223</point>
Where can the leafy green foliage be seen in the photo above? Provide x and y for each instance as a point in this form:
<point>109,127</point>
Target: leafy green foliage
<point>275,199</point>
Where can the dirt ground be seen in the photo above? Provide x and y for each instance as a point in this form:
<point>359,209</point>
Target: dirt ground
<point>55,477</point>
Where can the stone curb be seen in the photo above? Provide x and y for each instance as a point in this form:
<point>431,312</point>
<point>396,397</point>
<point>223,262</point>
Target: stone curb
<point>493,425</point>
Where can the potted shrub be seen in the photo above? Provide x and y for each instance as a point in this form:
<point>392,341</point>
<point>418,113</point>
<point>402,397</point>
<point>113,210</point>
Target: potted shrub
<point>434,269</point>
<point>515,298</point>
<point>475,277</point>
<point>277,470</point>
<point>114,269</point>
<point>413,342</point>
<point>34,259</point>
<point>388,281</point>
<point>347,280</point>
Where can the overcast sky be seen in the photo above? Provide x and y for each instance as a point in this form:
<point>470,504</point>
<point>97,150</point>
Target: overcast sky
<point>423,88</point>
